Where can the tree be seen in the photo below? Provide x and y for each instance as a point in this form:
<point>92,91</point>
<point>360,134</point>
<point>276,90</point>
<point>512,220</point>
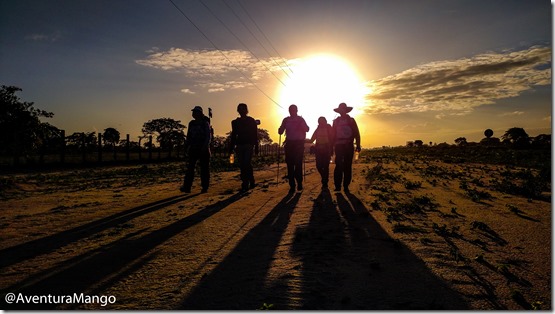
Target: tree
<point>542,140</point>
<point>169,132</point>
<point>488,133</point>
<point>82,140</point>
<point>517,137</point>
<point>20,124</point>
<point>264,137</point>
<point>165,130</point>
<point>111,137</point>
<point>49,139</point>
<point>48,134</point>
<point>461,141</point>
<point>490,141</point>
<point>418,143</point>
<point>221,143</point>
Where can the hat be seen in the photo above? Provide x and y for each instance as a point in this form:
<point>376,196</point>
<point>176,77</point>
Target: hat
<point>343,108</point>
<point>197,108</point>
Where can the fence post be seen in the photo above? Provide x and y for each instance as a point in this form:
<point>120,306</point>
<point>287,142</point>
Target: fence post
<point>83,147</point>
<point>127,147</point>
<point>150,148</point>
<point>99,147</point>
<point>63,147</point>
<point>140,148</point>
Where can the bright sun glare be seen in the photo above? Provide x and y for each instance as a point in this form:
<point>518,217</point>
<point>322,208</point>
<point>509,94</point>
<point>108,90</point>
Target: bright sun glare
<point>317,85</point>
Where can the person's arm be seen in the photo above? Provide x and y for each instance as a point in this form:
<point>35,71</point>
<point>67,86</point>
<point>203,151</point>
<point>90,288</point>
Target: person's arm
<point>282,126</point>
<point>305,126</point>
<point>313,138</point>
<point>187,138</point>
<point>255,131</point>
<point>357,134</point>
<point>206,143</point>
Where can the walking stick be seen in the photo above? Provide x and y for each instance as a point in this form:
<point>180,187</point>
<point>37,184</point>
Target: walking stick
<point>278,156</point>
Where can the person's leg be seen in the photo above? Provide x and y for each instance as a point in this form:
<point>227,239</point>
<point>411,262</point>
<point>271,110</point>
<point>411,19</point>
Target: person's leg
<point>348,166</point>
<point>338,172</point>
<point>299,155</point>
<point>249,172</point>
<point>241,152</point>
<point>325,166</point>
<point>320,162</point>
<point>205,170</point>
<point>290,161</point>
<point>323,162</point>
<point>190,171</point>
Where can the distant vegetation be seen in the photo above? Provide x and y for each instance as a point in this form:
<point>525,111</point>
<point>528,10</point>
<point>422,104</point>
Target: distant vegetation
<point>26,139</point>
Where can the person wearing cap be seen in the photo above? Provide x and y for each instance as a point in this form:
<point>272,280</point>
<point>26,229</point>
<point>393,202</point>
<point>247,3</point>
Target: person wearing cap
<point>244,141</point>
<point>295,129</point>
<point>345,131</point>
<point>197,148</point>
<point>323,135</point>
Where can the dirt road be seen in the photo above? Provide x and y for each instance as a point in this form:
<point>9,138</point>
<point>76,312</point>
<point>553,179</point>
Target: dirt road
<point>152,247</point>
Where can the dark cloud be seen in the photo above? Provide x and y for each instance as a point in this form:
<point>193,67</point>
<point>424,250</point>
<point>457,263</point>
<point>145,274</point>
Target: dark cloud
<point>460,85</point>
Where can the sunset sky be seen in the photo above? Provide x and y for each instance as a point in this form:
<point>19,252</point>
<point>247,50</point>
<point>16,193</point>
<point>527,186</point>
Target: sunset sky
<point>429,70</point>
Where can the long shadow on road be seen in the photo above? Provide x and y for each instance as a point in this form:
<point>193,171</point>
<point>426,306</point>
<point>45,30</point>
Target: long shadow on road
<point>86,272</point>
<point>34,248</point>
<point>237,283</point>
<point>351,263</point>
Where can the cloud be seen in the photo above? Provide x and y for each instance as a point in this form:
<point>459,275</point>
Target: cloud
<point>187,91</point>
<point>53,37</point>
<point>514,113</point>
<point>461,85</point>
<point>213,70</point>
<point>420,128</point>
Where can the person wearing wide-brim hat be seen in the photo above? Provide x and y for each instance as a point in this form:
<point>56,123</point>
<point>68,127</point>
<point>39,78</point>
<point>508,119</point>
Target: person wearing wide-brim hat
<point>197,147</point>
<point>343,108</point>
<point>346,132</point>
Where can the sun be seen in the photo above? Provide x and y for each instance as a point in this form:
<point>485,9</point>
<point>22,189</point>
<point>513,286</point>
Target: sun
<point>318,84</point>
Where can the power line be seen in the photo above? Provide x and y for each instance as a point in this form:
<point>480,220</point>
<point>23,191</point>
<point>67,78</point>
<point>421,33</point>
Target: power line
<point>221,52</point>
<point>264,35</point>
<point>240,41</point>
<point>254,36</point>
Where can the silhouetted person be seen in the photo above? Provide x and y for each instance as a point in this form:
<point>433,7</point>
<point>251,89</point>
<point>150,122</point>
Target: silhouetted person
<point>295,128</point>
<point>324,137</point>
<point>244,141</point>
<point>197,148</point>
<point>345,132</point>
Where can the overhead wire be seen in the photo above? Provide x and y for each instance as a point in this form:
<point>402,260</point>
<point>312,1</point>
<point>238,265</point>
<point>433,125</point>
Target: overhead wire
<point>264,35</point>
<point>223,54</point>
<point>256,38</point>
<point>240,41</point>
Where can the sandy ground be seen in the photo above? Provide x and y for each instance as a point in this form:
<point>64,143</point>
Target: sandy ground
<point>403,239</point>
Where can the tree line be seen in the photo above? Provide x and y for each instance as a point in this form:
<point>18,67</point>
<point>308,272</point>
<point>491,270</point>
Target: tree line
<point>25,134</point>
<point>514,137</point>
